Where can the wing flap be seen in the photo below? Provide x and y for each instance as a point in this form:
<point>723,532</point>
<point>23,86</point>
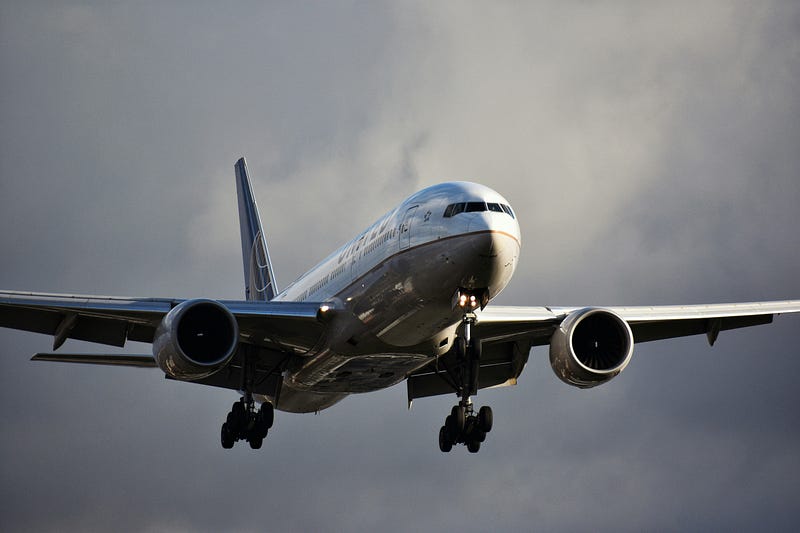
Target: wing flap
<point>668,329</point>
<point>140,361</point>
<point>501,364</point>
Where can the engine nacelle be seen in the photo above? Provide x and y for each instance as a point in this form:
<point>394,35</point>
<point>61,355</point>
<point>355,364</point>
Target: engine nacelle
<point>195,339</point>
<point>591,346</point>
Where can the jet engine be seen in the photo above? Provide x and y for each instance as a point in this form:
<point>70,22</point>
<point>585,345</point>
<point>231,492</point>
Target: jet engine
<point>195,339</point>
<point>590,346</point>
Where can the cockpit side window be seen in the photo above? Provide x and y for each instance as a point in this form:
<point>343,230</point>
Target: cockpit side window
<point>495,207</point>
<point>448,212</point>
<point>508,210</point>
<point>458,208</point>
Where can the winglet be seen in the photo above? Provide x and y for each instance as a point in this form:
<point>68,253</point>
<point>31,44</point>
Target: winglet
<point>259,279</point>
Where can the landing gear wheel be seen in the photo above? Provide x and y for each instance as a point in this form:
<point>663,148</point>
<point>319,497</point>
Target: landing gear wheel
<point>239,414</point>
<point>266,415</point>
<point>473,446</point>
<point>450,426</point>
<point>445,444</point>
<point>459,416</point>
<point>226,437</point>
<point>244,422</point>
<point>485,419</point>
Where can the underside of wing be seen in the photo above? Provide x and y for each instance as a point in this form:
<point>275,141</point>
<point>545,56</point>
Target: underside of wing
<point>501,364</point>
<point>648,323</point>
<point>114,320</point>
<point>102,319</point>
<point>507,334</point>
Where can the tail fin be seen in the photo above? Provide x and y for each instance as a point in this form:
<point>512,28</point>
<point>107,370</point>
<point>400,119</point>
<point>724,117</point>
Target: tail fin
<point>259,279</point>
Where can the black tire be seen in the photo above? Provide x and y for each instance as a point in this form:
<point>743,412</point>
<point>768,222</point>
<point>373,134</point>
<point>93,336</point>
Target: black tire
<point>473,446</point>
<point>485,419</point>
<point>449,425</point>
<point>266,415</point>
<point>459,419</point>
<point>226,437</point>
<point>470,427</point>
<point>445,444</point>
<point>478,435</point>
<point>239,415</point>
<point>256,442</point>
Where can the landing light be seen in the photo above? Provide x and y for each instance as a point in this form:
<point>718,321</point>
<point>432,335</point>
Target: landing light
<point>324,308</point>
<point>462,301</point>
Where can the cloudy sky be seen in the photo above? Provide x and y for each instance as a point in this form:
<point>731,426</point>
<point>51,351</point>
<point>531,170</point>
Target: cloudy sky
<point>651,151</point>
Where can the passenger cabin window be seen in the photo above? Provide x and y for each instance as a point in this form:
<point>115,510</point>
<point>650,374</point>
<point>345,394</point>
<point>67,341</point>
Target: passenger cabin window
<point>474,207</point>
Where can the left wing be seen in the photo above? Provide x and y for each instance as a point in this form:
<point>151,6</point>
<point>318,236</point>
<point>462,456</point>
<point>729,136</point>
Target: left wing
<point>508,333</point>
<point>648,323</point>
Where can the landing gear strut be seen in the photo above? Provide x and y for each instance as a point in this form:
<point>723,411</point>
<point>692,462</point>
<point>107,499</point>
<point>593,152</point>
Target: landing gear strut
<point>244,422</point>
<point>463,425</point>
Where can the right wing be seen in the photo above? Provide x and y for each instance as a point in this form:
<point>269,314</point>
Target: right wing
<point>269,332</point>
<point>111,320</point>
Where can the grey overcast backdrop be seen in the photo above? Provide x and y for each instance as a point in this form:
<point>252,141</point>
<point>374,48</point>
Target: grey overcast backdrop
<point>651,151</point>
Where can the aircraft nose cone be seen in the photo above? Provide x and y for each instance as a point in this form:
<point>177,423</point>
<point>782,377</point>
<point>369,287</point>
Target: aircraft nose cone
<point>495,245</point>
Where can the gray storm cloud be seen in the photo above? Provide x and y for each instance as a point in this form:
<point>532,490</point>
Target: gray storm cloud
<point>650,151</point>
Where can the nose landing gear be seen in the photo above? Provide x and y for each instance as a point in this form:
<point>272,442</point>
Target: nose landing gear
<point>463,425</point>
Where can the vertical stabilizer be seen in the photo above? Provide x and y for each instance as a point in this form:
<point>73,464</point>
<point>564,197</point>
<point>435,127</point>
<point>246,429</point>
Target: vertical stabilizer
<point>259,279</point>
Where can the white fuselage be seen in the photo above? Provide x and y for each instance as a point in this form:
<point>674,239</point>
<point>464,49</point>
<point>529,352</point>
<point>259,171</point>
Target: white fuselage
<point>396,282</point>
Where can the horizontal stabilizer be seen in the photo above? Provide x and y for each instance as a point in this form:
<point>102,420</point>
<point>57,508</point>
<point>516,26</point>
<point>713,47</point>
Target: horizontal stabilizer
<point>141,361</point>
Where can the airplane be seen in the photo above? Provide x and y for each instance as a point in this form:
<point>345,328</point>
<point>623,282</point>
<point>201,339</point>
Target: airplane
<point>407,299</point>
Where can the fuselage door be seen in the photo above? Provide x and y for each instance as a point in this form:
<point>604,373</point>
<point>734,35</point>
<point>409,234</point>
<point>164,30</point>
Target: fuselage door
<point>405,228</point>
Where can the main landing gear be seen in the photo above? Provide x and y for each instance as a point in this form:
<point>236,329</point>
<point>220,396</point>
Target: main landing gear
<point>463,425</point>
<point>244,422</point>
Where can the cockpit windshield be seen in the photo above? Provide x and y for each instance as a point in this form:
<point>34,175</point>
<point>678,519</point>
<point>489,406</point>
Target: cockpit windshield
<point>473,207</point>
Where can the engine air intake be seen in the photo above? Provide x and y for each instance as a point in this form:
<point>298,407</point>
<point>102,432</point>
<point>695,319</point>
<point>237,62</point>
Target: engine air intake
<point>590,347</point>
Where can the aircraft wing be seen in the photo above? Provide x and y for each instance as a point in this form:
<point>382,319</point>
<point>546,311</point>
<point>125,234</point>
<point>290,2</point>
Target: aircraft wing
<point>648,323</point>
<point>114,320</point>
<point>507,333</point>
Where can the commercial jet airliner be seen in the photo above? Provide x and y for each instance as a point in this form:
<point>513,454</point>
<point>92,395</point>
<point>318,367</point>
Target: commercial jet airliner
<point>409,298</point>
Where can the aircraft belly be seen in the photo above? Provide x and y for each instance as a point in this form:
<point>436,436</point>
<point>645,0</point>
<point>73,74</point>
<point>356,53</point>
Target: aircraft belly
<point>361,373</point>
<point>292,400</point>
